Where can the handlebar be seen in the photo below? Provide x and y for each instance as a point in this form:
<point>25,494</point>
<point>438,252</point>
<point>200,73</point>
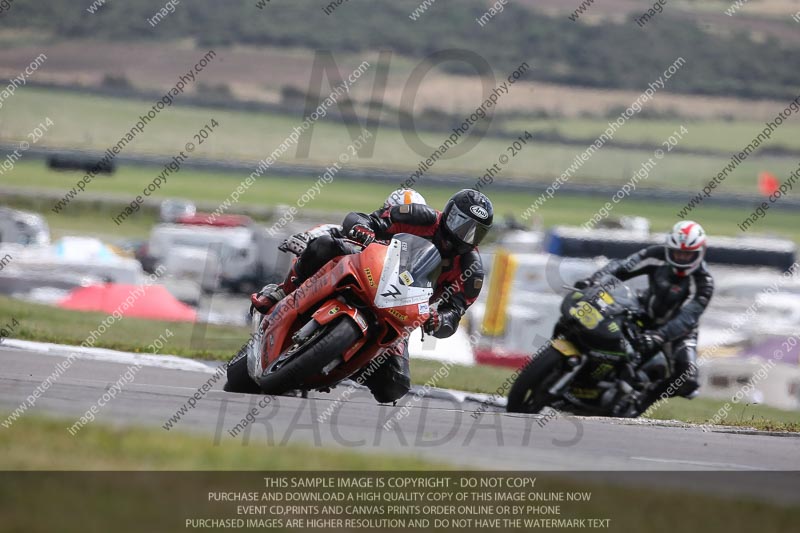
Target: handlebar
<point>354,241</point>
<point>630,327</point>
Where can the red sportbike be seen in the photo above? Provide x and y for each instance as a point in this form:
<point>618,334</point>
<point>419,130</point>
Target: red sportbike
<point>340,319</point>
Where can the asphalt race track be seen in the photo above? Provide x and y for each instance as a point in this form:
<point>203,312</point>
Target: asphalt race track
<point>441,430</point>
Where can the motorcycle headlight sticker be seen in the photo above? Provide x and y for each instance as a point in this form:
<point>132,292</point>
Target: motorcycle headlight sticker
<point>406,278</point>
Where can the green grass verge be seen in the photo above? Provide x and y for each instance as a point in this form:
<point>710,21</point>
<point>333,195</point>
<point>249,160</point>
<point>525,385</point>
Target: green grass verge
<point>87,121</point>
<point>485,379</point>
<point>36,443</point>
<point>44,323</point>
<point>702,410</point>
<point>104,501</point>
<point>211,342</point>
<point>340,196</point>
<point>51,324</point>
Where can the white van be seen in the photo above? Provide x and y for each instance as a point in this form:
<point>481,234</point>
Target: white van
<point>23,227</point>
<point>240,258</point>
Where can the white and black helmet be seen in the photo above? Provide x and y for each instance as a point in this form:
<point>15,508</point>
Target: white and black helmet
<point>467,218</point>
<point>685,247</point>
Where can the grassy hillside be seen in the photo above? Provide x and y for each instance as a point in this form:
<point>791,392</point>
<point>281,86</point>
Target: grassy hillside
<point>724,137</point>
<point>82,121</point>
<point>611,55</point>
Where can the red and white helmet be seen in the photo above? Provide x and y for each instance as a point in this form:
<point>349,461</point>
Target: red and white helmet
<point>404,196</point>
<point>686,247</point>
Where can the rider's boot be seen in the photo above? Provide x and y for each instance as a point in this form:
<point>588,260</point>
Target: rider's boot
<point>264,300</point>
<point>690,395</point>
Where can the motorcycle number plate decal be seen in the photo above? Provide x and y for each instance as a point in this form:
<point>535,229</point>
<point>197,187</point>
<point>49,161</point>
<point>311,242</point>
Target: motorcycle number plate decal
<point>587,315</point>
<point>394,289</point>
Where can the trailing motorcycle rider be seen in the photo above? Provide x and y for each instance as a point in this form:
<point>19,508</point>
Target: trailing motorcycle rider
<point>456,232</point>
<point>680,288</point>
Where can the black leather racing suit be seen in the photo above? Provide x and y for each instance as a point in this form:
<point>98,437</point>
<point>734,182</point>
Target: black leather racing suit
<point>457,288</point>
<point>673,304</point>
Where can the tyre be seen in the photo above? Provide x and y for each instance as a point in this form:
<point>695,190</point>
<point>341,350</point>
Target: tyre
<point>529,393</point>
<point>308,358</point>
<point>238,378</point>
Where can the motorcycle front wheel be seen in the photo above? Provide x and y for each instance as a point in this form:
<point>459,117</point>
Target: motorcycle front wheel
<point>308,357</point>
<point>529,393</point>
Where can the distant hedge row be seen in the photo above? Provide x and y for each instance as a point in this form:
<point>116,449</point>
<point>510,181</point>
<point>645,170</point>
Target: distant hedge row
<point>610,55</point>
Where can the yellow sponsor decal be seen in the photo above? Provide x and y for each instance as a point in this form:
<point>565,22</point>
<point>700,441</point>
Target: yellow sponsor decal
<point>565,347</point>
<point>585,394</point>
<point>406,278</point>
<point>371,281</point>
<point>334,310</point>
<point>398,314</point>
<point>587,315</point>
<point>606,297</point>
<point>602,370</point>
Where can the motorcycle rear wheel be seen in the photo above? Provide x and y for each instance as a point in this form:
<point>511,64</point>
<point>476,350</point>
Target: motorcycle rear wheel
<point>325,345</point>
<point>529,393</point>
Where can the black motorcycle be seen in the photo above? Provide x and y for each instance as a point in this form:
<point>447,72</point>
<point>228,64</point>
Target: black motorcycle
<point>589,366</point>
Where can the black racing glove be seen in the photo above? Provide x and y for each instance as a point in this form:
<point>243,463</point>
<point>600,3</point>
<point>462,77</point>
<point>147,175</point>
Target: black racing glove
<point>434,322</point>
<point>295,244</point>
<point>362,234</point>
<point>648,342</point>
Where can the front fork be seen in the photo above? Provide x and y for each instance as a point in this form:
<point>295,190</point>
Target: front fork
<point>559,386</point>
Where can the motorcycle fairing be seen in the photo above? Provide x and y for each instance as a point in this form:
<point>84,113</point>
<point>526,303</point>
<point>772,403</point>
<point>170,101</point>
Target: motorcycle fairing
<point>565,347</point>
<point>318,288</point>
<point>349,274</point>
<point>396,288</point>
<point>333,309</point>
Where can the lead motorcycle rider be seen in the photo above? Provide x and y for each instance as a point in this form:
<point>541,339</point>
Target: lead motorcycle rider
<point>456,232</point>
<point>680,288</point>
<point>298,242</point>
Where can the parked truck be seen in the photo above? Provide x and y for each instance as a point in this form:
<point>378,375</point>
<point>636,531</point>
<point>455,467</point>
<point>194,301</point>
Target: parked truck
<point>226,256</point>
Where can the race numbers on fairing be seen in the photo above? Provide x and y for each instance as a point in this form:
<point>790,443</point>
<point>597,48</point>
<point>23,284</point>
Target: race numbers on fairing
<point>587,315</point>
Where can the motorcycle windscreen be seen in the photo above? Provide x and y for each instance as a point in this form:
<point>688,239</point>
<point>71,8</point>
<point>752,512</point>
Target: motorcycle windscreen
<point>409,272</point>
